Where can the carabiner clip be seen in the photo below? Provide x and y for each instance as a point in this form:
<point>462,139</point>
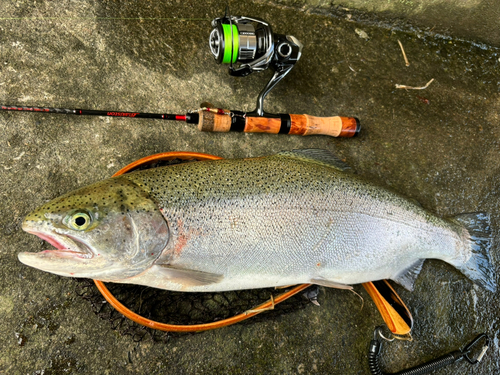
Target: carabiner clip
<point>428,367</point>
<point>469,348</point>
<point>378,334</point>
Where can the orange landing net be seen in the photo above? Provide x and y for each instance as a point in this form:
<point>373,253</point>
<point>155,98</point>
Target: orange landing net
<point>390,316</point>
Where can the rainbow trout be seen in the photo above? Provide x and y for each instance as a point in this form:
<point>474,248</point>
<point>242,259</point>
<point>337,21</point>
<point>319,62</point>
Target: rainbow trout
<point>295,217</point>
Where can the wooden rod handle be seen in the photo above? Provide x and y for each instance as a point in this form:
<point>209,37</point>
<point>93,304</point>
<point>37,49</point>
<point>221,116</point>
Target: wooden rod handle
<point>393,310</point>
<point>335,126</point>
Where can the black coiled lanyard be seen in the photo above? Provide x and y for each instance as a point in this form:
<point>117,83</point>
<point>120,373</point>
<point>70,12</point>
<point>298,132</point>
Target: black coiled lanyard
<point>426,368</point>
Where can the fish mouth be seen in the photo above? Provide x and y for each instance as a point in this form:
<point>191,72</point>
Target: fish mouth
<point>65,246</point>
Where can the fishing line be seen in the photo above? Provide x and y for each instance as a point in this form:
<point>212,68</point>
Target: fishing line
<point>102,19</point>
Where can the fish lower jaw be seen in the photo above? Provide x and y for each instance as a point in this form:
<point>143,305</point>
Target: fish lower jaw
<point>66,253</point>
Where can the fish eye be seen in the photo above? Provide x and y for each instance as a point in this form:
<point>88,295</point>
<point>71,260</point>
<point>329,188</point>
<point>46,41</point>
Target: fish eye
<point>80,221</point>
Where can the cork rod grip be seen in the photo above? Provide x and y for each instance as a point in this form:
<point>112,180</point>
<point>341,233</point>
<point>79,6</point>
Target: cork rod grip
<point>335,126</point>
<point>213,122</point>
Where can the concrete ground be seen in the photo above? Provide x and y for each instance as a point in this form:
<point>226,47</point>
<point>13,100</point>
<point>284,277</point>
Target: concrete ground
<point>440,146</point>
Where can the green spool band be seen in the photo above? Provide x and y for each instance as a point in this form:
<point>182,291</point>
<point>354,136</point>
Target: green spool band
<point>230,42</point>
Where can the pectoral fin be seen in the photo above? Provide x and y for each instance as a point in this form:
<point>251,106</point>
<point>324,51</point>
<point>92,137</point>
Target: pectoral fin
<point>187,277</point>
<point>330,284</point>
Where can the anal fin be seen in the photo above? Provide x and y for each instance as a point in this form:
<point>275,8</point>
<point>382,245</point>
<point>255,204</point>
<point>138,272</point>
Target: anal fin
<point>407,277</point>
<point>188,277</point>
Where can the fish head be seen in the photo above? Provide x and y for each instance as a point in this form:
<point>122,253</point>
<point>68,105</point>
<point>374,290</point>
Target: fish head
<point>111,230</point>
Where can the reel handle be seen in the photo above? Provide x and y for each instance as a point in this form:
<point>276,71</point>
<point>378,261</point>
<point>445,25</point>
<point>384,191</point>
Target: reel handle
<point>335,126</point>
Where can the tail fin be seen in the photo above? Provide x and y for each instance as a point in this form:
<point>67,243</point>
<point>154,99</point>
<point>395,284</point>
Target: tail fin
<point>478,268</point>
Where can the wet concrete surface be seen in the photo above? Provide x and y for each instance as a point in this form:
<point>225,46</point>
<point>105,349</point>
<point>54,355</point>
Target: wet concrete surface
<point>439,146</point>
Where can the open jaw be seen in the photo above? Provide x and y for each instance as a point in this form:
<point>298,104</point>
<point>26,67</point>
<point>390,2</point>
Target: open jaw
<point>65,247</point>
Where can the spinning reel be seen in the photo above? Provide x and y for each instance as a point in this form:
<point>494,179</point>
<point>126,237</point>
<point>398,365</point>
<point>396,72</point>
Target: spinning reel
<point>251,43</point>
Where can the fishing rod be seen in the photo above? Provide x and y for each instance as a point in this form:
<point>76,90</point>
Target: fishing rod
<point>189,118</point>
<point>221,120</point>
<point>248,45</point>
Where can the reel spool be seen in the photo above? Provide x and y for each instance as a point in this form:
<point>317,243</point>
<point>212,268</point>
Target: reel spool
<point>251,43</point>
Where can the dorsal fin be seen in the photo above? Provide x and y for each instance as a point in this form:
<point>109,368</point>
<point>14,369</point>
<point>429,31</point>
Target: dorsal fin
<point>415,202</point>
<point>317,156</point>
